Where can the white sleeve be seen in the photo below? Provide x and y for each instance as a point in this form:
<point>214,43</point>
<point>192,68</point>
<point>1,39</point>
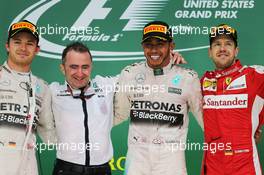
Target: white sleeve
<point>195,100</point>
<point>46,125</point>
<point>121,101</point>
<point>111,80</point>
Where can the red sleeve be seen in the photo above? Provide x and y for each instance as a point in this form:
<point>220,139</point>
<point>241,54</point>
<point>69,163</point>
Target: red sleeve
<point>259,87</point>
<point>259,80</point>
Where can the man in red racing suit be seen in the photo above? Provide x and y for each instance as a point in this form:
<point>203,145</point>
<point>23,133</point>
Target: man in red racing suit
<point>233,110</point>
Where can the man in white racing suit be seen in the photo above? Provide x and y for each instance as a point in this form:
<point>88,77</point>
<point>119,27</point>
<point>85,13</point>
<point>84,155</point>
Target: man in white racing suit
<point>25,105</point>
<point>157,95</point>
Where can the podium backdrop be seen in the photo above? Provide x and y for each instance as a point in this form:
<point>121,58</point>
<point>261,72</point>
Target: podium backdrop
<point>112,31</point>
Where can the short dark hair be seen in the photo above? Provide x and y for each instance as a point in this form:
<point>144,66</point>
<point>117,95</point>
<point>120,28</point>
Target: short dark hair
<point>76,46</point>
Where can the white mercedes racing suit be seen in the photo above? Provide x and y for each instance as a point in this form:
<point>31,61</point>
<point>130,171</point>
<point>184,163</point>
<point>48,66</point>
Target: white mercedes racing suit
<point>22,95</point>
<point>158,107</point>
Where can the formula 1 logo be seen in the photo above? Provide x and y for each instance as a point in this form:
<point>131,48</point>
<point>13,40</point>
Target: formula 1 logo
<point>110,33</point>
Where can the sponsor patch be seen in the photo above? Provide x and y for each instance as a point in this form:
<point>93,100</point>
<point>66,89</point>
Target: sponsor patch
<point>155,28</point>
<point>241,151</point>
<point>228,152</point>
<point>98,90</point>
<point>161,113</point>
<point>16,120</point>
<point>13,108</point>
<point>225,101</point>
<point>5,82</point>
<point>209,84</point>
<point>140,78</point>
<point>158,72</point>
<point>6,97</point>
<point>12,144</point>
<point>24,25</point>
<point>38,89</point>
<point>95,86</point>
<point>191,72</point>
<point>228,80</point>
<point>155,105</point>
<point>138,95</point>
<point>174,90</point>
<point>239,83</point>
<point>176,80</point>
<point>159,117</point>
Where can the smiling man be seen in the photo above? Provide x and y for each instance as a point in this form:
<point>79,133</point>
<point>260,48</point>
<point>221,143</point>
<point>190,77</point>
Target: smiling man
<point>83,112</point>
<point>25,103</point>
<point>233,108</point>
<point>158,100</point>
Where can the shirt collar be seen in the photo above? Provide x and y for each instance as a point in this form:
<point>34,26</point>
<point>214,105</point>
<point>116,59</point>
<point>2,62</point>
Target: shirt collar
<point>165,69</point>
<point>230,70</point>
<point>8,69</point>
<point>89,90</point>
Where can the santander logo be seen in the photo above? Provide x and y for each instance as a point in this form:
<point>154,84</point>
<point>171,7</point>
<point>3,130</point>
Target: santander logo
<point>225,101</point>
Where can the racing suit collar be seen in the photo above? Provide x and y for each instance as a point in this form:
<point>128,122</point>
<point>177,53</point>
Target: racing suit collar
<point>232,69</point>
<point>159,71</point>
<point>18,76</point>
<point>9,70</point>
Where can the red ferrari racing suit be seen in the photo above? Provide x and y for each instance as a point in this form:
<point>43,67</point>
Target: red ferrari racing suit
<point>233,101</point>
